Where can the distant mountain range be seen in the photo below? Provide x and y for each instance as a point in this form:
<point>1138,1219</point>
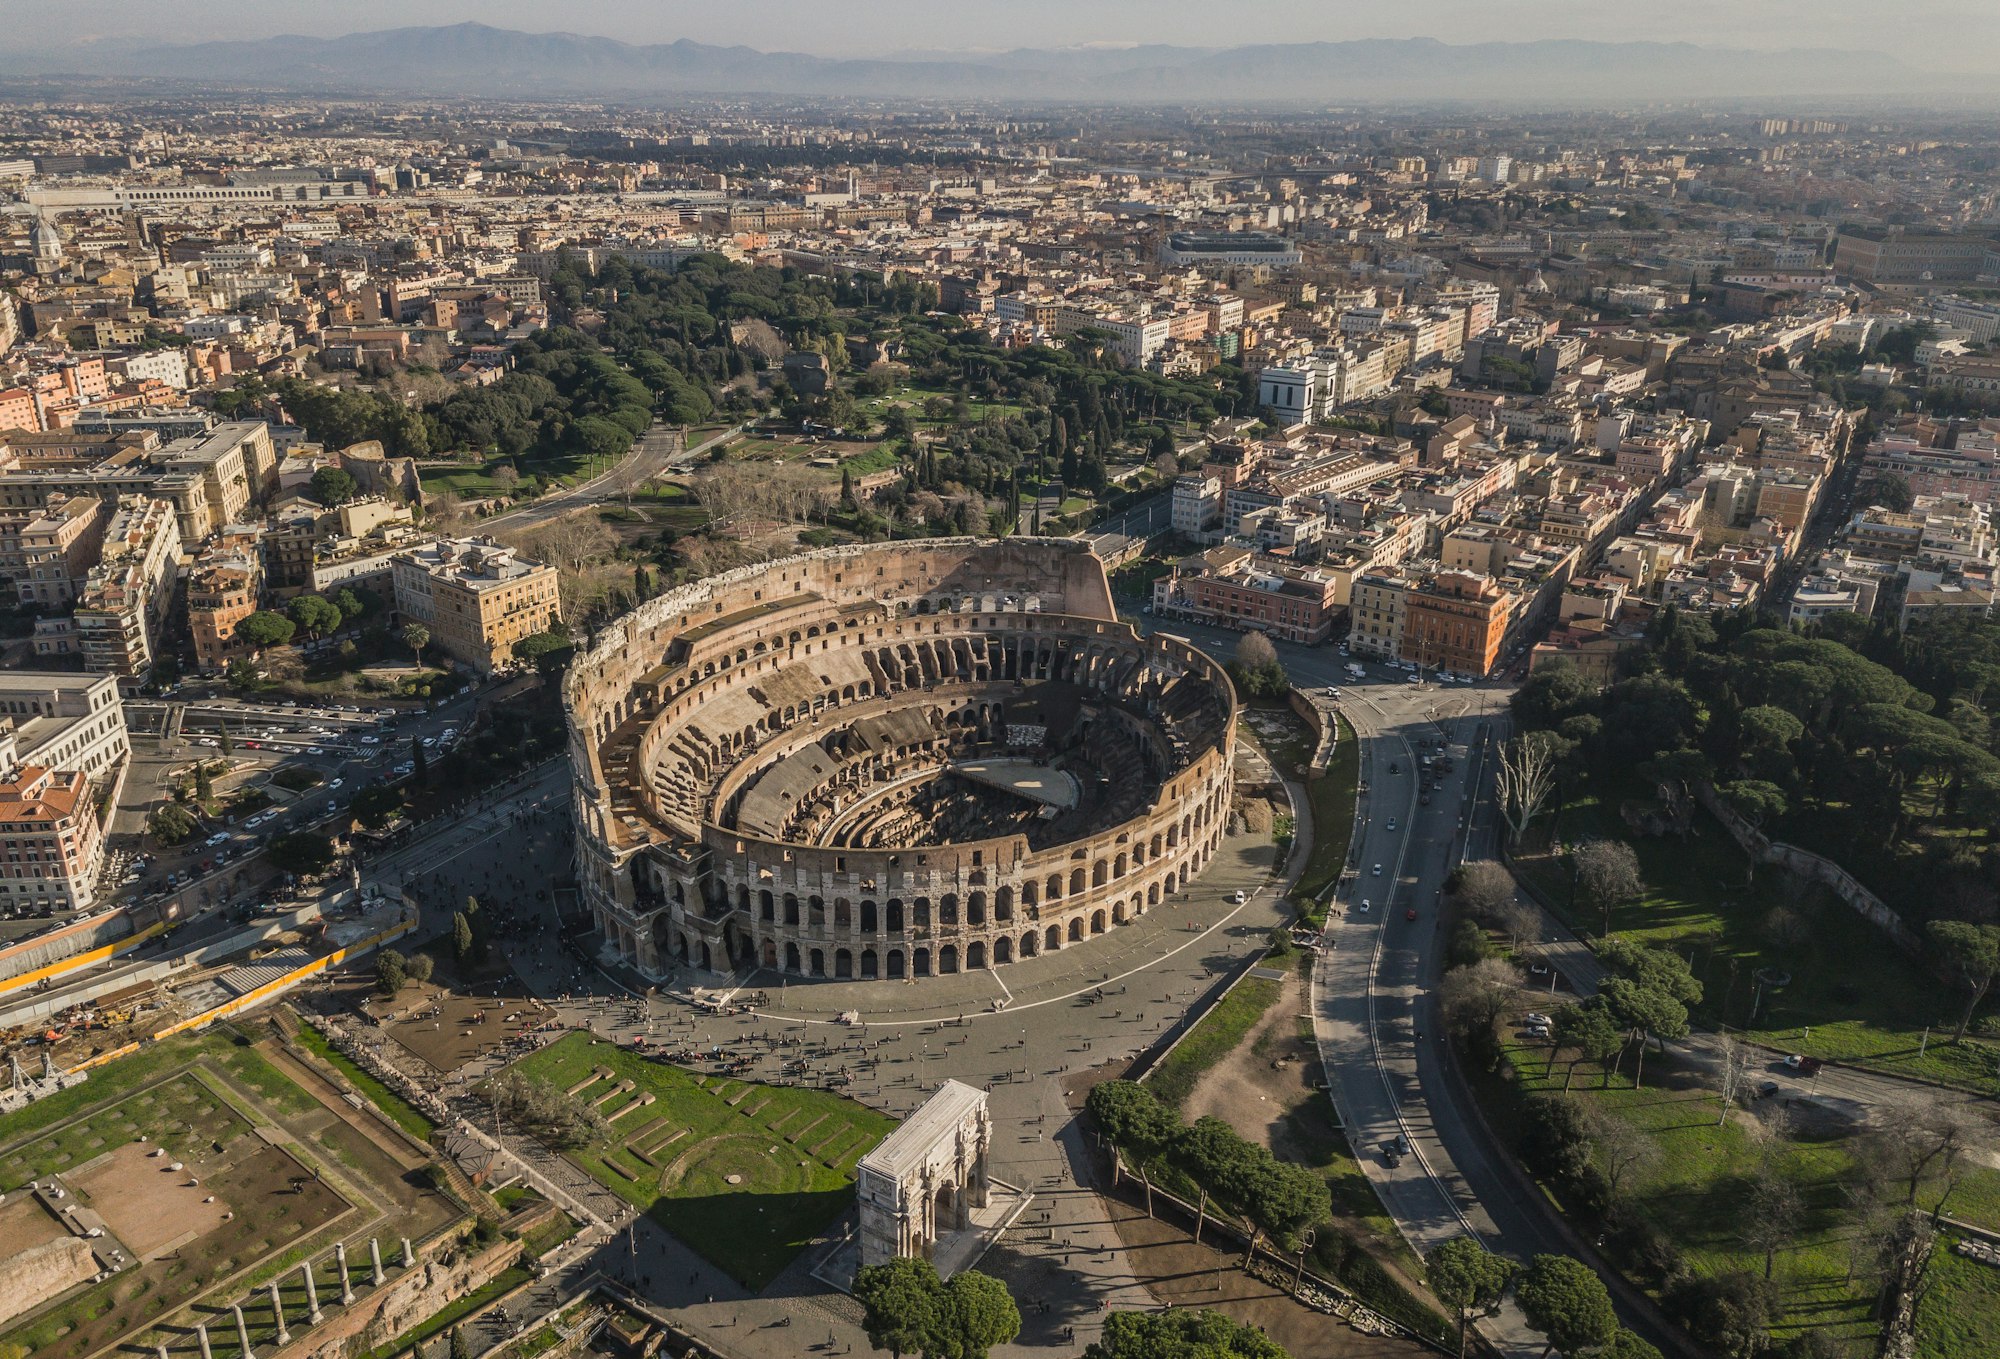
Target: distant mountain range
<point>474,59</point>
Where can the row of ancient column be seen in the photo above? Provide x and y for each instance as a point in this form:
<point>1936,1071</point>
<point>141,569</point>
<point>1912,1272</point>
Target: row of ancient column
<point>313,1314</point>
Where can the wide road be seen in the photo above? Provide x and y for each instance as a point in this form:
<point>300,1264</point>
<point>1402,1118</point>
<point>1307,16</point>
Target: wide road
<point>1374,1002</point>
<point>659,450</point>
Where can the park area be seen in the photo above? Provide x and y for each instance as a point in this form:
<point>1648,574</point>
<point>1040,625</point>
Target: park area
<point>213,1171</point>
<point>1782,1187</point>
<point>1851,997</point>
<point>745,1174</point>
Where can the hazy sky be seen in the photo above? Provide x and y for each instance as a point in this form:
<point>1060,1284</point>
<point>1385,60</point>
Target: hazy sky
<point>1962,34</point>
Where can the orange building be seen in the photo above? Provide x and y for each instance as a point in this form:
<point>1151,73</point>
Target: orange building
<point>50,844</point>
<point>221,593</point>
<point>1456,622</point>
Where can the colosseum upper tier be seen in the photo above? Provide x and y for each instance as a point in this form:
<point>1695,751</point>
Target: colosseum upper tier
<point>897,760</point>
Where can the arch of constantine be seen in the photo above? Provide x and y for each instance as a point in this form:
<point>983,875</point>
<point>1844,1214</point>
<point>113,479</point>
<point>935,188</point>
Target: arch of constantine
<point>897,760</point>
<point>924,1181</point>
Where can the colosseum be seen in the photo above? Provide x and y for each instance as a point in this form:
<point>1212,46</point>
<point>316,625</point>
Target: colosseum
<point>901,760</point>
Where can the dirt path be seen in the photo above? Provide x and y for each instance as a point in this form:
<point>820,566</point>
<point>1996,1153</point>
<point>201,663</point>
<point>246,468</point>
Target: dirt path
<point>1256,1089</point>
<point>1268,1090</point>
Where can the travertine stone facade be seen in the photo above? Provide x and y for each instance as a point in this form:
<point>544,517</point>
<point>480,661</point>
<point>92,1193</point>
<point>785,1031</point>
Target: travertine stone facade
<point>927,1177</point>
<point>758,763</point>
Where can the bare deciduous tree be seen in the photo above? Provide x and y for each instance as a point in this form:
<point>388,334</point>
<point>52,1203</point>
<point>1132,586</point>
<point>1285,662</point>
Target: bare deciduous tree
<point>1473,998</point>
<point>1525,778</point>
<point>1733,1063</point>
<point>1483,887</point>
<point>1775,1211</point>
<point>1921,1143</point>
<point>1607,871</point>
<point>1623,1147</point>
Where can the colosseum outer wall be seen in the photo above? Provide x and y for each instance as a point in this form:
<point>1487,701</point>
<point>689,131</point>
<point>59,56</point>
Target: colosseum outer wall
<point>950,625</point>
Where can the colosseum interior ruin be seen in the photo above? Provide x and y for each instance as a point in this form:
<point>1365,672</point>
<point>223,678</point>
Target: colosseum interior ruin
<point>899,760</point>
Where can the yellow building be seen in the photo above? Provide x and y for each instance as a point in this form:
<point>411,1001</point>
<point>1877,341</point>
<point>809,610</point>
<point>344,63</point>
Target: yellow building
<point>476,597</point>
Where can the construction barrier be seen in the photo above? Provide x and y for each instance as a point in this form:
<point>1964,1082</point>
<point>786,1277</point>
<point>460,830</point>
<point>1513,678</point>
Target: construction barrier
<point>278,985</point>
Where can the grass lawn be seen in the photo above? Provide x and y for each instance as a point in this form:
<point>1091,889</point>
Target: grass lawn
<point>914,395</point>
<point>1332,798</point>
<point>880,458</point>
<point>1960,1312</point>
<point>468,482</point>
<point>1214,1037</point>
<point>1311,1135</point>
<point>399,1110</point>
<point>1694,1189</point>
<point>745,1174</point>
<point>1862,1001</point>
<point>550,1234</point>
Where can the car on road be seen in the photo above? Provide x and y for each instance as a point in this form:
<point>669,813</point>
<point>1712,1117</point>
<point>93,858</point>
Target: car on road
<point>315,750</point>
<point>1805,1066</point>
<point>1376,871</point>
<point>430,741</point>
<point>1236,897</point>
<point>1366,905</point>
<point>1392,824</point>
<point>1410,914</point>
<point>1395,768</point>
<point>1402,1144</point>
<point>335,783</point>
<point>371,740</point>
<point>1416,679</point>
<point>220,837</point>
<point>1767,1089</point>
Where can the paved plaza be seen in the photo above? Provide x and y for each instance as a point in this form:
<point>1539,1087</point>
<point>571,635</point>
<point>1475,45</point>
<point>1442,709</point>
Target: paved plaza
<point>1022,1032</point>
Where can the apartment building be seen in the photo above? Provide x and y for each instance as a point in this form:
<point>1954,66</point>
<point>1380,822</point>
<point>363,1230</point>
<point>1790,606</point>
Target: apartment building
<point>477,597</point>
<point>1895,255</point>
<point>62,721</point>
<point>1971,468</point>
<point>222,591</point>
<point>1456,621</point>
<point>46,552</point>
<point>122,610</point>
<point>51,846</point>
<point>1376,614</point>
<point>1233,587</point>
